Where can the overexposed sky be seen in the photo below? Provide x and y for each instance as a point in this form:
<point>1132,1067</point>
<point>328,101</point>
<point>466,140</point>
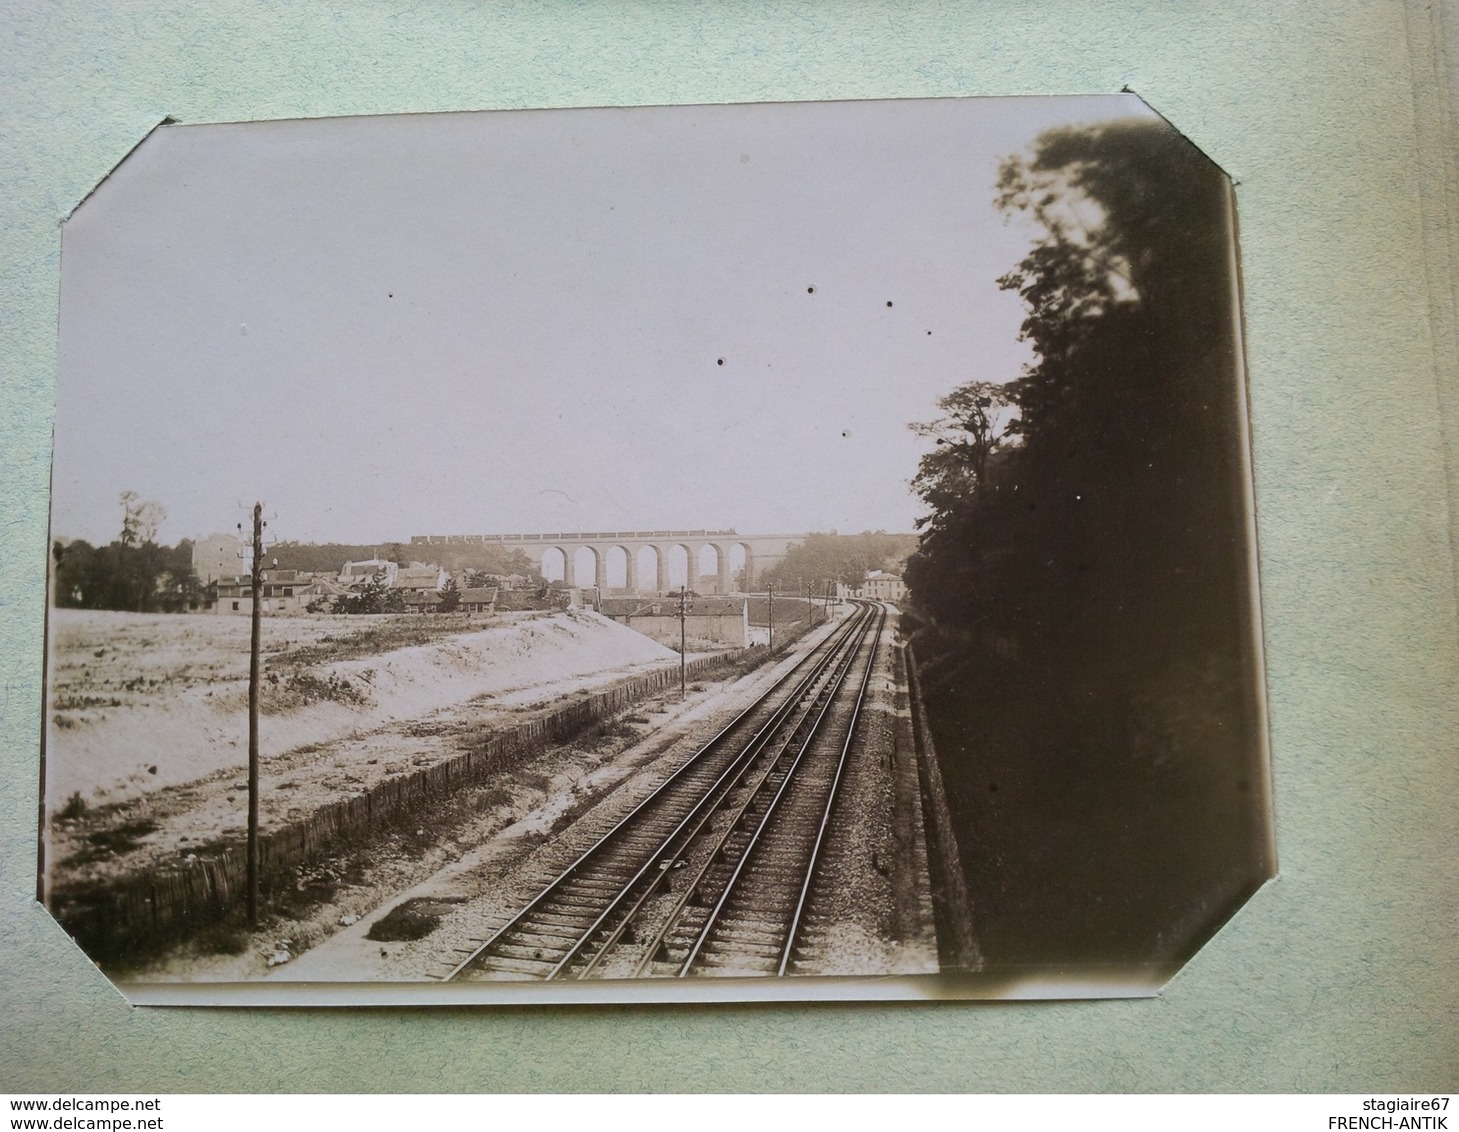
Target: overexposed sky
<point>514,321</point>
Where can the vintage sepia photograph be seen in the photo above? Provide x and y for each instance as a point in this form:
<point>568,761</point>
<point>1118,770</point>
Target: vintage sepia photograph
<point>719,552</point>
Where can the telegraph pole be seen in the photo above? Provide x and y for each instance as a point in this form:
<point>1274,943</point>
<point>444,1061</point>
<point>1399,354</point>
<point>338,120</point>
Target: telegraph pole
<point>253,716</point>
<point>770,588</point>
<point>683,647</point>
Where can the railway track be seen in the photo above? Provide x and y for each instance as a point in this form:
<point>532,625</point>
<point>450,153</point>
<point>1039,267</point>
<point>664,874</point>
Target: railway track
<point>713,872</point>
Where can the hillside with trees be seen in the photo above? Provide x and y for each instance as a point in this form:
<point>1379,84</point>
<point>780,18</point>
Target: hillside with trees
<point>1084,570</point>
<point>328,557</point>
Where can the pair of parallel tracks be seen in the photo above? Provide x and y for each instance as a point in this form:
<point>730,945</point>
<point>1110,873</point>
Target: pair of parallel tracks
<point>714,871</point>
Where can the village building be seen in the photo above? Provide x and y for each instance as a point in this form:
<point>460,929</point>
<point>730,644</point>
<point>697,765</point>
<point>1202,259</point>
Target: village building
<point>478,599</point>
<point>883,586</point>
<point>418,601</point>
<point>418,586</point>
<point>537,598</point>
<point>221,556</point>
<point>419,579</point>
<point>281,592</point>
<point>356,573</point>
<point>878,585</point>
<point>325,590</point>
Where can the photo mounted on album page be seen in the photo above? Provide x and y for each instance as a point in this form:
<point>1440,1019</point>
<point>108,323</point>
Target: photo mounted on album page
<point>698,553</point>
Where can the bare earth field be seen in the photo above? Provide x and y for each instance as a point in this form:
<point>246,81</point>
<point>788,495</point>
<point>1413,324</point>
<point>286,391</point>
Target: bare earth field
<point>147,745</point>
<point>148,735</point>
<point>144,701</point>
<point>482,853</point>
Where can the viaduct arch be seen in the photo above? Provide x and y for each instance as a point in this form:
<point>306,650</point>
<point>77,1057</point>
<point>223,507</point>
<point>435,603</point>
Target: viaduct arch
<point>760,552</point>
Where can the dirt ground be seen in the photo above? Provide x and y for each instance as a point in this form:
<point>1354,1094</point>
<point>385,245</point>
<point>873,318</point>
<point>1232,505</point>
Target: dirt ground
<point>503,857</point>
<point>373,913</point>
<point>147,735</point>
<point>393,909</point>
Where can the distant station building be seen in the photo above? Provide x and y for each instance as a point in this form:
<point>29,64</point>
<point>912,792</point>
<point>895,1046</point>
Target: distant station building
<point>882,586</point>
<point>715,622</point>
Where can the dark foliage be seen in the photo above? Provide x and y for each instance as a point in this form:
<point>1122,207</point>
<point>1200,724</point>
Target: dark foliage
<point>132,573</point>
<point>1091,675</point>
<point>1115,500</point>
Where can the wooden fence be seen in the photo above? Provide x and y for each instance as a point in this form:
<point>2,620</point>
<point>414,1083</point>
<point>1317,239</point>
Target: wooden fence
<point>127,916</point>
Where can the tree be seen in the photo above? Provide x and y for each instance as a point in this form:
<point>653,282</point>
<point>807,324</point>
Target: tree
<point>835,557</point>
<point>450,596</point>
<point>177,587</point>
<point>86,576</point>
<point>396,552</point>
<point>1087,577</point>
<point>517,562</point>
<point>1109,507</point>
<point>977,418</point>
<point>133,572</point>
<point>141,519</point>
<point>137,551</point>
<point>368,596</point>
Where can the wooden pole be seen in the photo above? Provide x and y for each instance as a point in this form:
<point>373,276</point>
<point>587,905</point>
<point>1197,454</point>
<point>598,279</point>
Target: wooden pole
<point>683,648</point>
<point>253,716</point>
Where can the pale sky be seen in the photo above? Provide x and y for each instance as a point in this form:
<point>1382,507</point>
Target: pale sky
<point>513,321</point>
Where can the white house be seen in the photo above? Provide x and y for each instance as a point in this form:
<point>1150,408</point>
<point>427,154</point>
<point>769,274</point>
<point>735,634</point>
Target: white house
<point>878,585</point>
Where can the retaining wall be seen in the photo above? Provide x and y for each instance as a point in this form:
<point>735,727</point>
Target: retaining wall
<point>126,916</point>
<point>953,907</point>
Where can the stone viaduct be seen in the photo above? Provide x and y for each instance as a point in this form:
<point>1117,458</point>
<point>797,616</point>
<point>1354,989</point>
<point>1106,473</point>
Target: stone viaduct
<point>759,552</point>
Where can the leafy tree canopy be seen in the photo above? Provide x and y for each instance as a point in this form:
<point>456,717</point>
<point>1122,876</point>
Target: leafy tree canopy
<point>1096,497</point>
